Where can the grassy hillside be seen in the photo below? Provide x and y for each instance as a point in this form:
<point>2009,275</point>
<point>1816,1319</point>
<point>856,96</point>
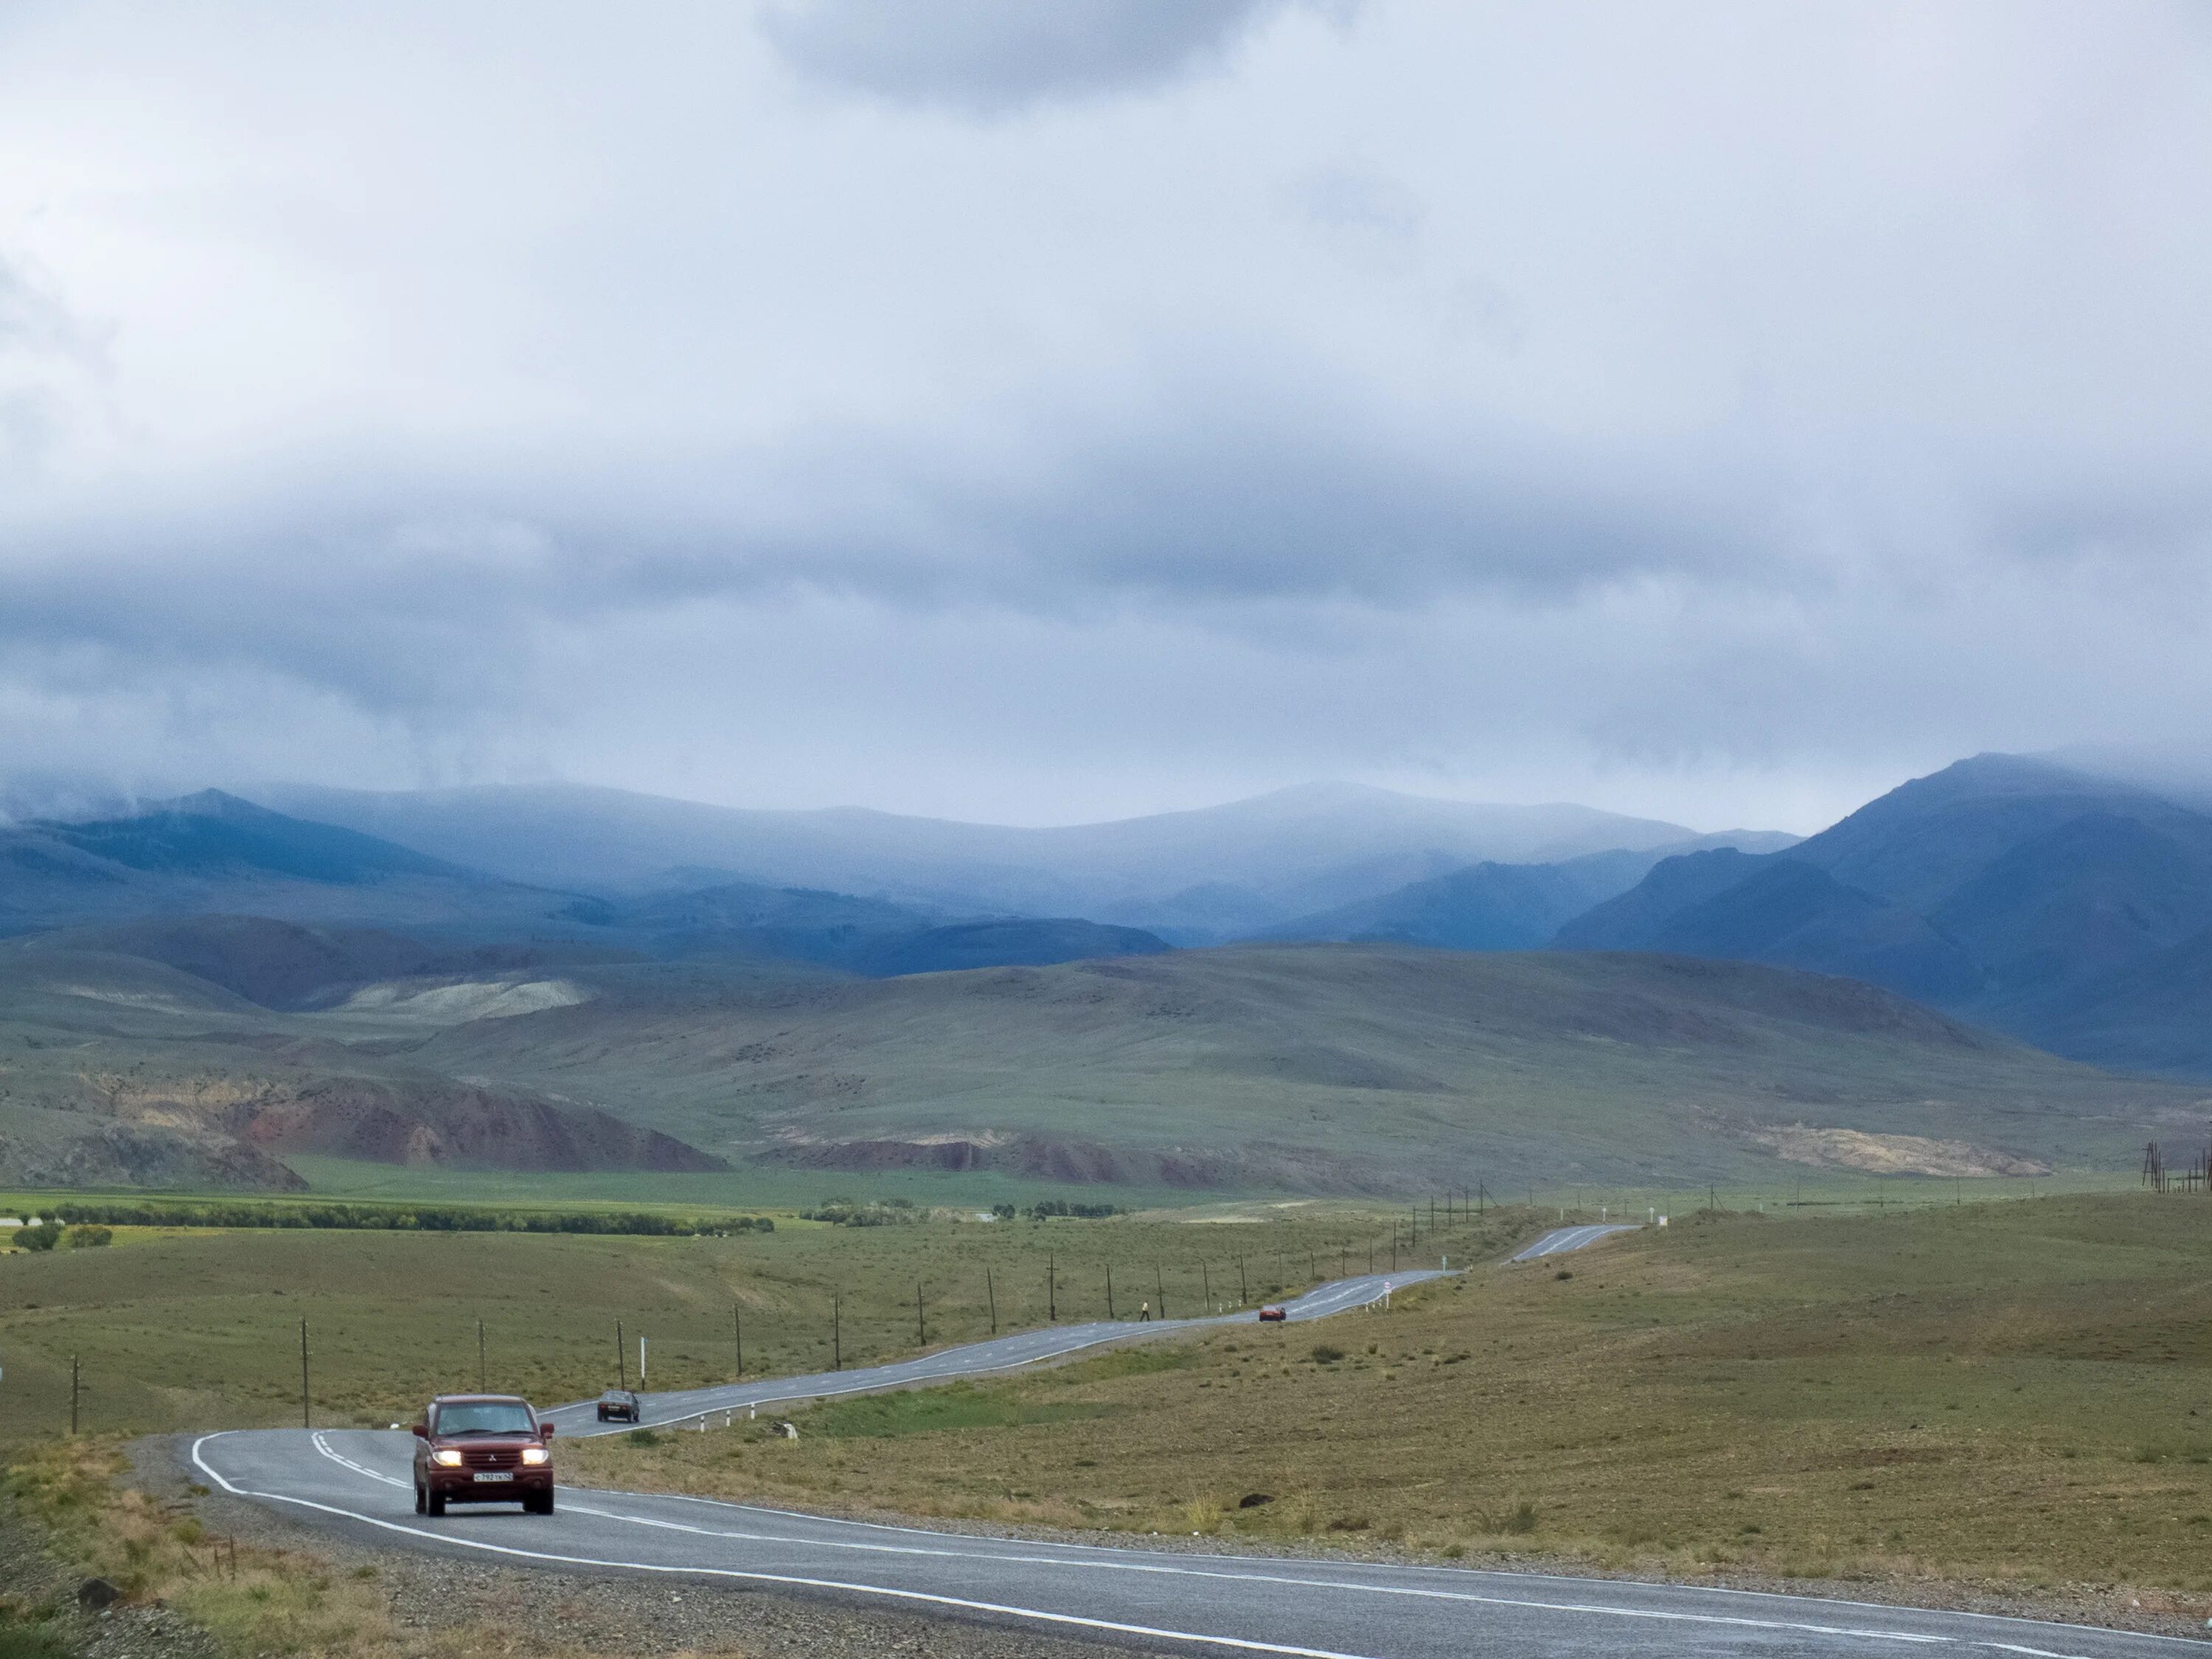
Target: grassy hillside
<point>1325,1069</point>
<point>2010,1393</point>
<point>1318,1068</point>
<point>118,1071</point>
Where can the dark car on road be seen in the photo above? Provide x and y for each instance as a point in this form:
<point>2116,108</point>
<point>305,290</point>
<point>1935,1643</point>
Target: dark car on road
<point>617,1406</point>
<point>483,1449</point>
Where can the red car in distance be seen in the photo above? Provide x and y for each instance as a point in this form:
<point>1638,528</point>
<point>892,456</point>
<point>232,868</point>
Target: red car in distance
<point>1271,1314</point>
<point>483,1449</point>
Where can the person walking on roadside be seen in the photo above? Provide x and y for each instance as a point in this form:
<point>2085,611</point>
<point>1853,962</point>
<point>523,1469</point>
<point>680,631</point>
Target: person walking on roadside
<point>1144,1314</point>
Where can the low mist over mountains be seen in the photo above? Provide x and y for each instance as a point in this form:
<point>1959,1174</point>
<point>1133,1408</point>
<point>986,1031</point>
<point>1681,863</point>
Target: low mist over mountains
<point>1195,877</point>
<point>557,978</point>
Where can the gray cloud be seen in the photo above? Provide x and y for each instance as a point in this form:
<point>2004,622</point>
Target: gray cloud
<point>1525,403</point>
<point>988,56</point>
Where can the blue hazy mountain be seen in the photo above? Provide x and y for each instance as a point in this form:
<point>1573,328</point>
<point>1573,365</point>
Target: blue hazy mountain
<point>1499,907</point>
<point>2031,896</point>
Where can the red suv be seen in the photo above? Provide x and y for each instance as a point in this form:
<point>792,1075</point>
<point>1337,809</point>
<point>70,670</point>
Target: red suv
<point>481,1449</point>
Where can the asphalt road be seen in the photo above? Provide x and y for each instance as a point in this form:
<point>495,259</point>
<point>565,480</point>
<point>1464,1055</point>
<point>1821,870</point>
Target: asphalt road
<point>1003,1353</point>
<point>360,1482</point>
<point>1560,1240</point>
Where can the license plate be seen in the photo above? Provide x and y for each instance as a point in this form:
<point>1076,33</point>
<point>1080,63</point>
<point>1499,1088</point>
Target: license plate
<point>502,1475</point>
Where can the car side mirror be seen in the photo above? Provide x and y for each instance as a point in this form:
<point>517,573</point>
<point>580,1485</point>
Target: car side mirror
<point>545,1430</point>
<point>422,1431</point>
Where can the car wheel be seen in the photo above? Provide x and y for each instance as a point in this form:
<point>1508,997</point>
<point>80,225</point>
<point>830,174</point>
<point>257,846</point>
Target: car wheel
<point>539,1504</point>
<point>422,1504</point>
<point>437,1503</point>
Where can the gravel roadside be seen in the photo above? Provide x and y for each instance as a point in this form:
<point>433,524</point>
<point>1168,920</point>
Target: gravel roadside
<point>33,1584</point>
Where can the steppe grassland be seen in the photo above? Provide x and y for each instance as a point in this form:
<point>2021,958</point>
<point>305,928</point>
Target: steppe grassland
<point>2019,1393</point>
<point>200,1327</point>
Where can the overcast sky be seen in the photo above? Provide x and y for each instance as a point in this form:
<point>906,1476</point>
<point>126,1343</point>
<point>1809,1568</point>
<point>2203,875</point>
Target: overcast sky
<point>1041,412</point>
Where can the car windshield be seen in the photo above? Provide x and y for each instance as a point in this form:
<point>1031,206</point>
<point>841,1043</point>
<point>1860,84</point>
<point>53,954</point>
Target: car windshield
<point>486,1417</point>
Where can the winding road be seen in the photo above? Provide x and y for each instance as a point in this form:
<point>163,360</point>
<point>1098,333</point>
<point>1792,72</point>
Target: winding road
<point>1560,1240</point>
<point>999,1354</point>
<point>360,1482</point>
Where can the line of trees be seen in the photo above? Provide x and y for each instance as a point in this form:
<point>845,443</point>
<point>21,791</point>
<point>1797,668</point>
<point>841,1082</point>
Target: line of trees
<point>377,1219</point>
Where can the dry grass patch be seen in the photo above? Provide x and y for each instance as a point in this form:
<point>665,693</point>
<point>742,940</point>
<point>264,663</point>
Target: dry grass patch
<point>2019,1395</point>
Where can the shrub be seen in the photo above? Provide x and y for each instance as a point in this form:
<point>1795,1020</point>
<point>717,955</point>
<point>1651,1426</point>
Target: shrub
<point>20,1640</point>
<point>89,1238</point>
<point>642,1437</point>
<point>1326,1353</point>
<point>44,1236</point>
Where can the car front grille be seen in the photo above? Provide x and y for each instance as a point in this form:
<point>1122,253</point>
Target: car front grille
<point>490,1457</point>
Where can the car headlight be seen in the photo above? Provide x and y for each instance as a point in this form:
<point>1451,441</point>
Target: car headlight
<point>536,1455</point>
<point>449,1456</point>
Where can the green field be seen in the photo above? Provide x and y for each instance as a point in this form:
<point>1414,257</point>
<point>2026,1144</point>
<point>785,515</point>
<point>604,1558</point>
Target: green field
<point>200,1328</point>
<point>2015,1394</point>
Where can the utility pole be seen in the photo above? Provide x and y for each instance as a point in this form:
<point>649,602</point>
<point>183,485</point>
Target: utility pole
<point>622,1358</point>
<point>1051,1288</point>
<point>73,1379</point>
<point>836,1331</point>
<point>991,1296</point>
<point>1243,1296</point>
<point>921,1326</point>
<point>480,1357</point>
<point>1160,1284</point>
<point>738,1331</point>
<point>1110,1290</point>
<point>305,1422</point>
<point>1206,1285</point>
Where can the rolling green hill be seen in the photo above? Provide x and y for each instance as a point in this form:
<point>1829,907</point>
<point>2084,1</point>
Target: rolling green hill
<point>1323,1069</point>
<point>1283,1068</point>
<point>116,1070</point>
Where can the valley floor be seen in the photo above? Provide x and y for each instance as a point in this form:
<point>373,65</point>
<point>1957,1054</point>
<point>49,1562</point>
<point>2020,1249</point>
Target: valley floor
<point>2006,1405</point>
<point>2010,1402</point>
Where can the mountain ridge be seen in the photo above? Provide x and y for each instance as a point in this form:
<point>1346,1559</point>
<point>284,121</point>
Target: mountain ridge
<point>2008,890</point>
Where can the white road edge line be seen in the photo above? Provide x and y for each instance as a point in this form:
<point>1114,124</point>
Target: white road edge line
<point>1240,1644</point>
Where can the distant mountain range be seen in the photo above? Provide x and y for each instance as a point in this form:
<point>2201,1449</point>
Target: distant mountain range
<point>200,882</point>
<point>583,979</point>
<point>1503,906</point>
<point>2070,910</point>
<point>1193,878</point>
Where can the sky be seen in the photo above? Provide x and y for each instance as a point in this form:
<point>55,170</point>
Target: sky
<point>1037,414</point>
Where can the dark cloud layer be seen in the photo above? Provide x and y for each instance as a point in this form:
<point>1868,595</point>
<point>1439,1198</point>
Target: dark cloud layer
<point>991,56</point>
